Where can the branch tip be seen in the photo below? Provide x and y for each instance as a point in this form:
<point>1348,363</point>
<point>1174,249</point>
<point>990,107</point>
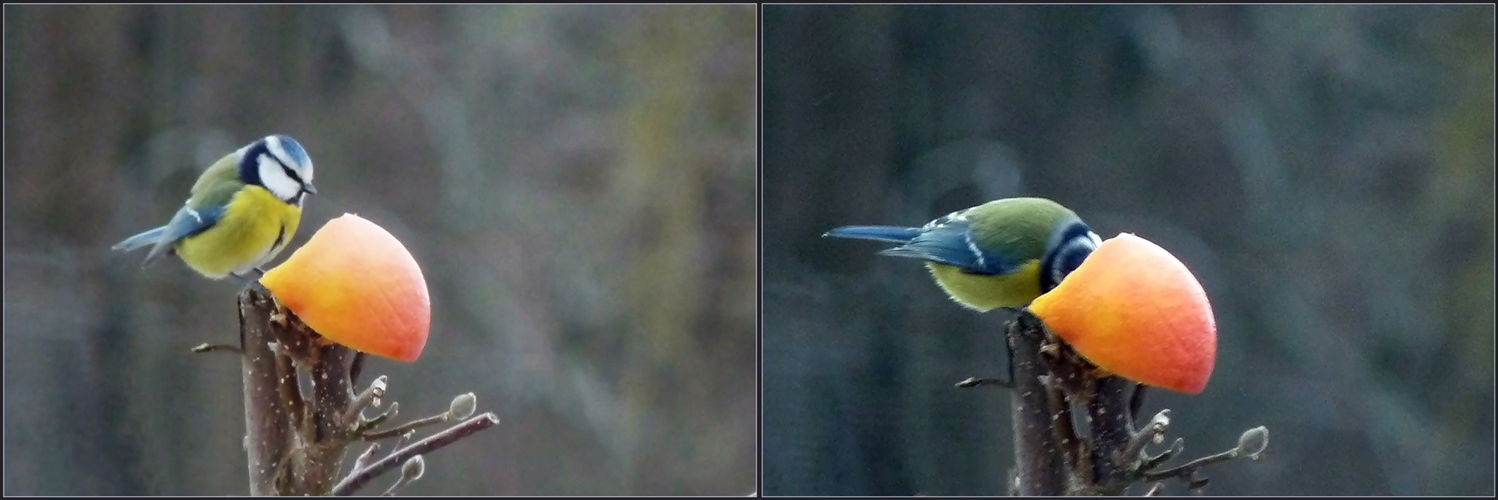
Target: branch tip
<point>354,414</point>
<point>975,382</point>
<point>364,458</point>
<point>206,347</point>
<point>462,430</point>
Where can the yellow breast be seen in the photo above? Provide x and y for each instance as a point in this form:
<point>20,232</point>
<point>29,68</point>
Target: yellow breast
<point>984,293</point>
<point>255,228</point>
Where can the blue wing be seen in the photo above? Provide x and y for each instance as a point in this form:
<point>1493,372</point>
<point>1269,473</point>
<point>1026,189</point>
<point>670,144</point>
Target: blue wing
<point>187,222</point>
<point>946,241</point>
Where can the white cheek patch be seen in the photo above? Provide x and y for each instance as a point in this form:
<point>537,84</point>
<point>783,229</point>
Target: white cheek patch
<point>276,180</point>
<point>278,149</point>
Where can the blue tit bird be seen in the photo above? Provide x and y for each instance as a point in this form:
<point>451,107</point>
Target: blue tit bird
<point>243,210</point>
<point>1003,253</point>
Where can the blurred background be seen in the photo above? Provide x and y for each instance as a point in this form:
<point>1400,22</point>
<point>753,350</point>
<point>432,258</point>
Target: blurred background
<point>1326,172</point>
<point>577,183</point>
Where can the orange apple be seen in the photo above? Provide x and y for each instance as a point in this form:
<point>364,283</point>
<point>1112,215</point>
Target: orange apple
<point>1134,310</point>
<point>355,284</point>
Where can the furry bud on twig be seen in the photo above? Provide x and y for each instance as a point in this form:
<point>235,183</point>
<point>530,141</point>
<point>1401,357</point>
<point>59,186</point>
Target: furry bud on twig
<point>411,470</point>
<point>462,406</point>
<point>1253,442</point>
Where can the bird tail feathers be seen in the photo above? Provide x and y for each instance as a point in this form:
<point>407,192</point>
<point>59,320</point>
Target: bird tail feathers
<point>895,234</point>
<point>140,240</point>
<point>148,238</point>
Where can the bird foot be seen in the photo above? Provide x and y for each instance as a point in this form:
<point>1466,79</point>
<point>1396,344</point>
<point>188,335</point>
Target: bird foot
<point>249,278</point>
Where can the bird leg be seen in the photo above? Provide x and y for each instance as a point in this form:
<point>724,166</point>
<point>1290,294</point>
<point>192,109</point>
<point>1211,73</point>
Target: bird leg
<point>246,278</point>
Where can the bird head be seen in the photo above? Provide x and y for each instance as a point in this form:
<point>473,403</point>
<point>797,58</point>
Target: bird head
<point>280,165</point>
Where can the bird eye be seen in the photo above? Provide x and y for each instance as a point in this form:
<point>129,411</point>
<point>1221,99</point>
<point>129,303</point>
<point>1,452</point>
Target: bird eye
<point>289,172</point>
<point>1072,260</point>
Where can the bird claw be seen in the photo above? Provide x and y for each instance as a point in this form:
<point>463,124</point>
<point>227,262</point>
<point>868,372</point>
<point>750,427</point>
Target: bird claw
<point>248,281</point>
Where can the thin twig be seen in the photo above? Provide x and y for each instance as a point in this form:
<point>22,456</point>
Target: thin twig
<point>370,396</point>
<point>1154,490</point>
<point>1183,471</point>
<point>1251,444</point>
<point>412,470</point>
<point>365,425</point>
<point>400,442</point>
<point>205,347</point>
<point>975,382</point>
<point>360,477</point>
<point>1153,432</point>
<point>1151,462</point>
<point>406,427</point>
<point>364,458</point>
<point>1196,483</point>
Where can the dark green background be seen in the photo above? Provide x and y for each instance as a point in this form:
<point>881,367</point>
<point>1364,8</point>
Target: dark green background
<point>1326,172</point>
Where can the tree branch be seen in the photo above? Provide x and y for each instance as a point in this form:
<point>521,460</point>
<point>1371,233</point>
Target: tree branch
<point>370,397</point>
<point>359,478</point>
<point>1251,444</point>
<point>406,427</point>
<point>206,347</point>
<point>1110,418</point>
<point>411,470</point>
<point>296,442</point>
<point>1051,456</point>
<point>365,425</point>
<point>1039,469</point>
<point>1153,432</point>
<point>268,427</point>
<point>975,382</point>
<point>289,390</point>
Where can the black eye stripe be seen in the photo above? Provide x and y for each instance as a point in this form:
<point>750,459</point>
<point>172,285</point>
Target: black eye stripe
<point>252,161</point>
<point>289,172</point>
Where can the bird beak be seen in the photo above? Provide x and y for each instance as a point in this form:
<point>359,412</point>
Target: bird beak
<point>311,189</point>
